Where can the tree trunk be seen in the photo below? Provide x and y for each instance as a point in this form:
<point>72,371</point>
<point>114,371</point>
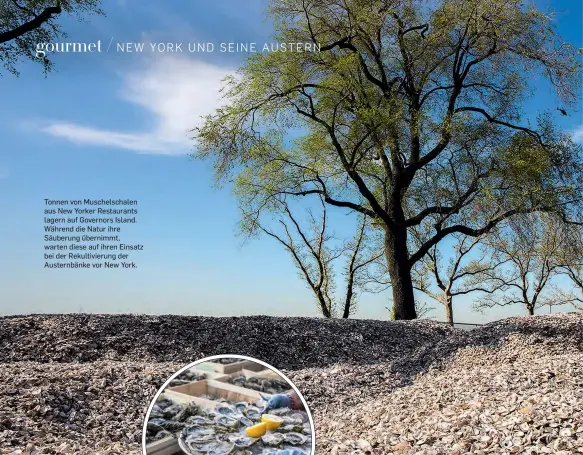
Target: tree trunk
<point>397,256</point>
<point>449,310</point>
<point>323,304</point>
<point>349,294</point>
<point>530,309</point>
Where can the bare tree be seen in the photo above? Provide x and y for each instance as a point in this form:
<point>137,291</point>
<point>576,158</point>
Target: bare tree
<point>357,272</point>
<point>443,282</point>
<point>313,253</point>
<point>529,250</point>
<point>571,265</point>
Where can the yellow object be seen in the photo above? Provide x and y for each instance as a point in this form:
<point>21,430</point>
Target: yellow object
<point>256,431</point>
<point>272,421</point>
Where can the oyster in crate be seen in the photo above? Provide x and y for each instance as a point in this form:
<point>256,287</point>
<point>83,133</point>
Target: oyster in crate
<point>242,441</point>
<point>209,448</point>
<point>272,439</point>
<point>290,428</point>
<point>222,448</point>
<point>189,411</point>
<point>227,421</point>
<point>190,375</point>
<point>158,408</point>
<point>295,439</point>
<point>225,409</point>
<point>241,406</point>
<point>289,420</point>
<point>198,420</point>
<point>253,413</point>
<point>162,424</point>
<point>245,421</point>
<point>266,385</point>
<point>280,412</point>
<point>299,417</point>
<point>198,435</point>
<point>164,403</point>
<point>171,411</point>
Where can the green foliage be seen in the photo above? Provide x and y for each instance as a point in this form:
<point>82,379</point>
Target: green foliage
<point>411,113</point>
<point>42,15</point>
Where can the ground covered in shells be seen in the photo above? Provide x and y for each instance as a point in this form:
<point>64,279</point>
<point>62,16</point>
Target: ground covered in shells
<point>82,383</point>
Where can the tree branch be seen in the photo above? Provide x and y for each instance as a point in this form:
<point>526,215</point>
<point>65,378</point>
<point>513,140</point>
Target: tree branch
<point>34,23</point>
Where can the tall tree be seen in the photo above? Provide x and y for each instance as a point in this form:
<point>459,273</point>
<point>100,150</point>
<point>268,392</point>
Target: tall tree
<point>409,113</point>
<point>25,23</point>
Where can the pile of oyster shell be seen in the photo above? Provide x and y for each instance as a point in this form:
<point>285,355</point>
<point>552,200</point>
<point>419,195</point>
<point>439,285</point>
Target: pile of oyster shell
<point>221,432</point>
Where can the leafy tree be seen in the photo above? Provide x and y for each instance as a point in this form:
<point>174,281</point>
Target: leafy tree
<point>24,23</point>
<point>409,113</point>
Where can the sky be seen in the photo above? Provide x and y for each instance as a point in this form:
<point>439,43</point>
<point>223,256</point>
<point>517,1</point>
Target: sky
<point>114,125</point>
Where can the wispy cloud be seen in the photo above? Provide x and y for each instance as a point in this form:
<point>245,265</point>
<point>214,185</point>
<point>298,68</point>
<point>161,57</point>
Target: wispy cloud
<point>176,91</point>
<point>578,134</point>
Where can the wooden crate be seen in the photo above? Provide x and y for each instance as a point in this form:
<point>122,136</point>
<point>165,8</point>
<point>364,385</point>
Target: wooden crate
<point>225,369</point>
<point>266,373</point>
<point>196,390</point>
<point>251,374</point>
<point>166,446</point>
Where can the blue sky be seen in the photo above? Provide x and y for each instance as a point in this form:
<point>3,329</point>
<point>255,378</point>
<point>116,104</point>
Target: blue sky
<point>112,125</point>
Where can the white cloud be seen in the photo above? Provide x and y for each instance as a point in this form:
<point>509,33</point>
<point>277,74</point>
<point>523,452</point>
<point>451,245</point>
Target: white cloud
<point>176,91</point>
<point>578,134</point>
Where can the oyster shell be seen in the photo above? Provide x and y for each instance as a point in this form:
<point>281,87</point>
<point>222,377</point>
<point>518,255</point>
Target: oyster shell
<point>189,411</point>
<point>171,411</point>
<point>222,448</point>
<point>272,439</point>
<point>267,385</point>
<point>162,424</point>
<point>225,409</point>
<point>246,422</point>
<point>227,421</point>
<point>241,406</point>
<point>253,413</point>
<point>241,441</point>
<point>295,439</point>
<point>198,420</point>
<point>197,435</point>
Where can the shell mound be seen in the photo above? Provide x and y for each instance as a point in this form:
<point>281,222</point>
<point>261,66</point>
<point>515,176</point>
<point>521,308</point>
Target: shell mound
<point>379,387</point>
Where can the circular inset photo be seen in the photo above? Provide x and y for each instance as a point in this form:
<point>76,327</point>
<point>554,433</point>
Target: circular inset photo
<point>228,404</point>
